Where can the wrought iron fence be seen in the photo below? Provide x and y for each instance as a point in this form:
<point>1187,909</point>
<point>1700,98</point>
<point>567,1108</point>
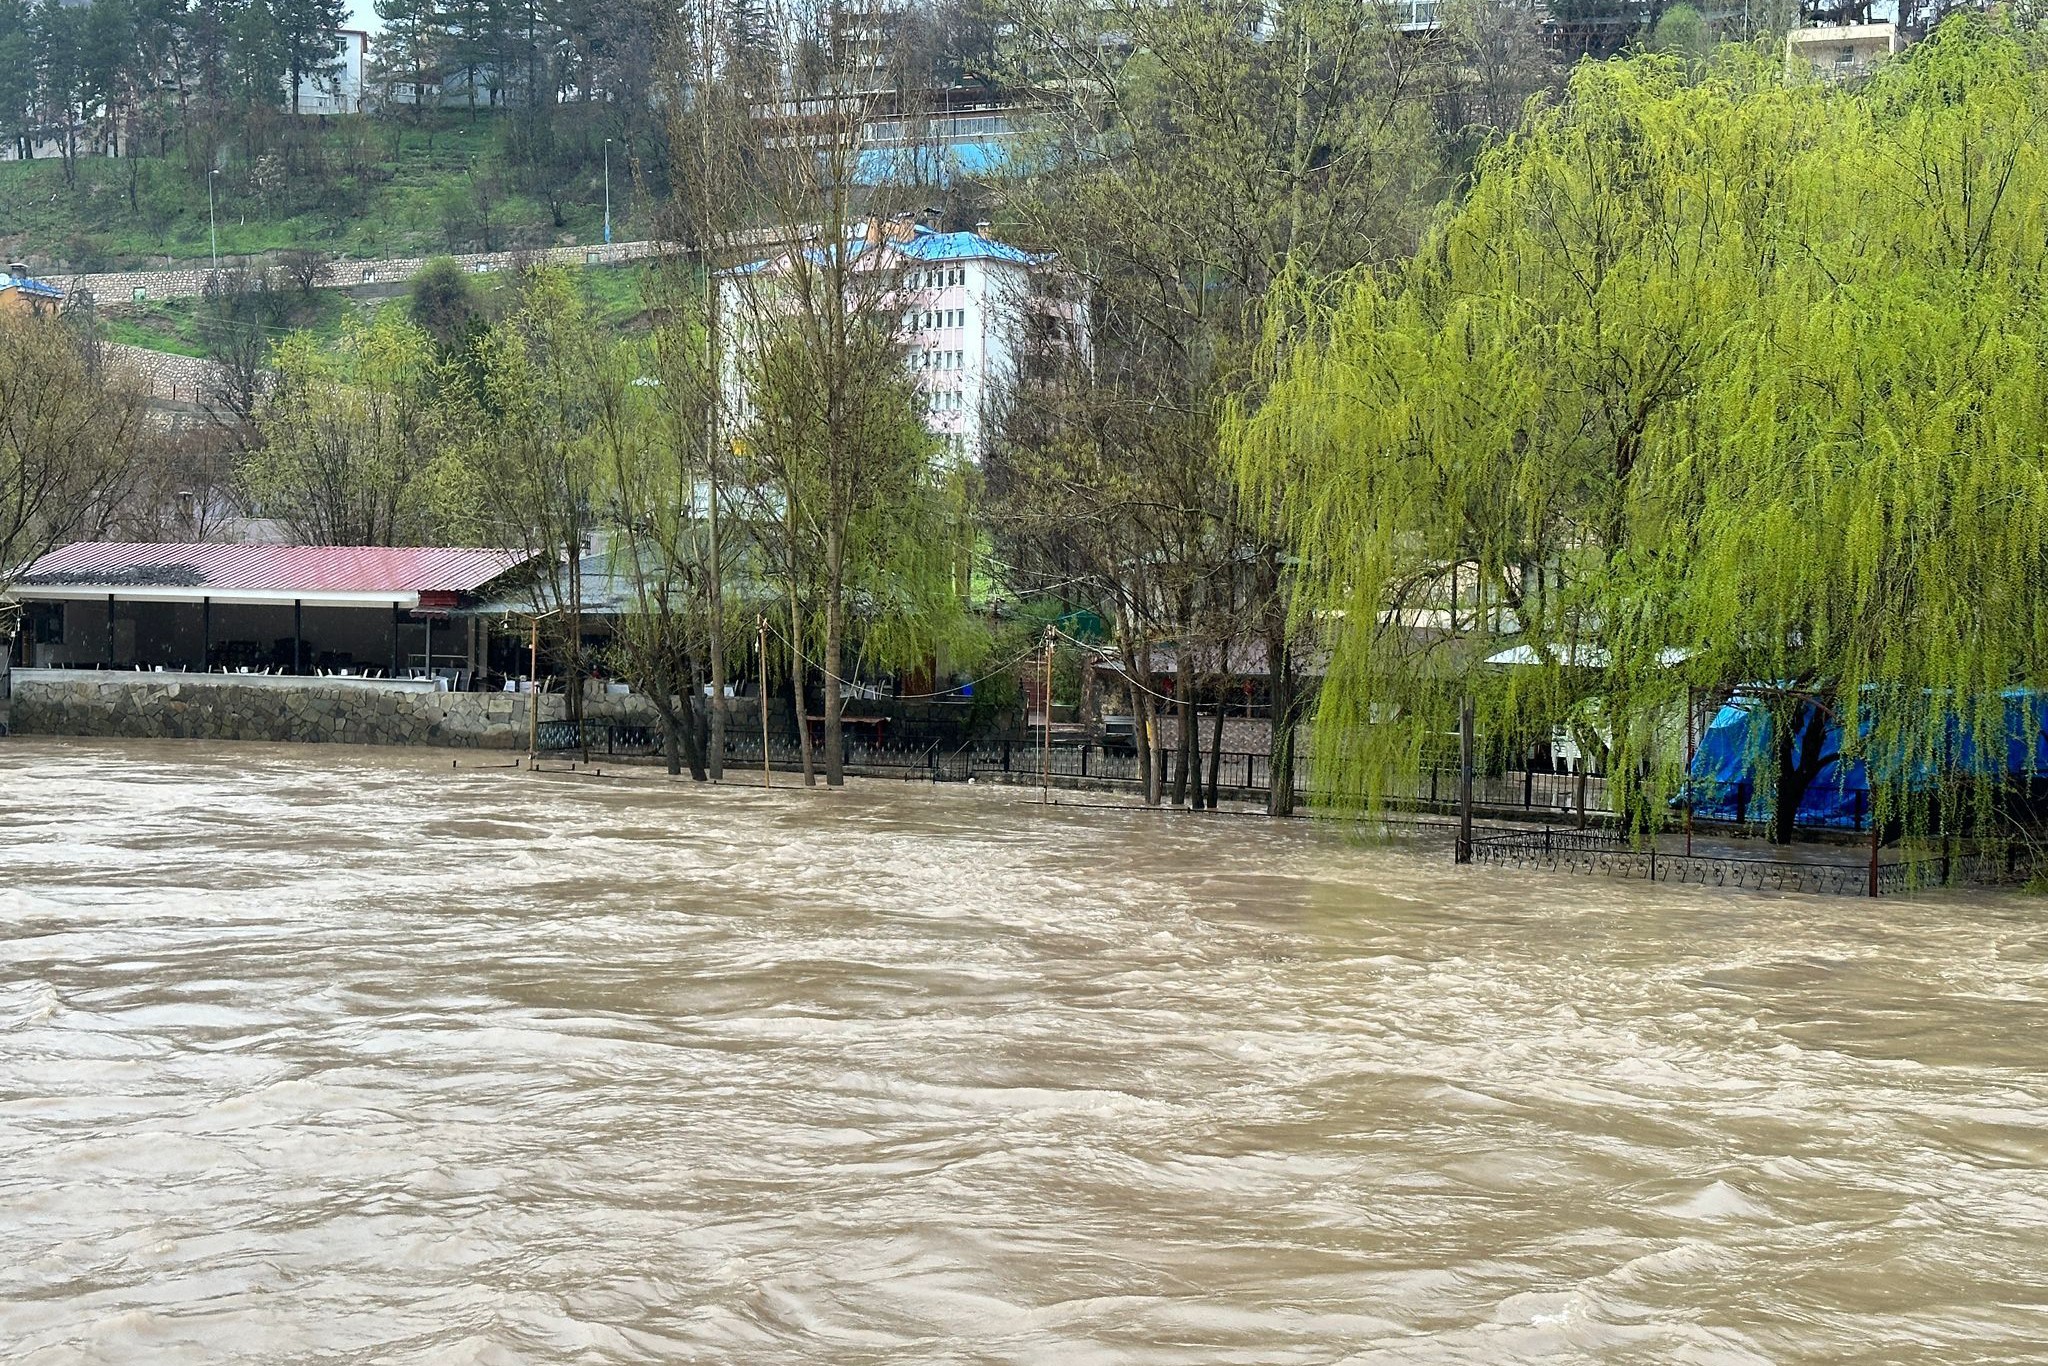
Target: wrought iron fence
<point>1611,854</point>
<point>600,737</point>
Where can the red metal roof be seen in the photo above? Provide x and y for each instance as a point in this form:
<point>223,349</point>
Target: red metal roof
<point>273,568</point>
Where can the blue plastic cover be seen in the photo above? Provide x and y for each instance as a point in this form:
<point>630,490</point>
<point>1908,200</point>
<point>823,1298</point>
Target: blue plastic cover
<point>1724,781</point>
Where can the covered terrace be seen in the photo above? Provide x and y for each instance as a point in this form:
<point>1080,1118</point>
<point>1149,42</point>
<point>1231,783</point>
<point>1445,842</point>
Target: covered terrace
<point>348,611</point>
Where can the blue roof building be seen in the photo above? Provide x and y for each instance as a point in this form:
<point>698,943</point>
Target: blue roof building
<point>18,290</point>
<point>969,307</point>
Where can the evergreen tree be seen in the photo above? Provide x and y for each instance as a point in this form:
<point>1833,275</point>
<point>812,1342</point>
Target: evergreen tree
<point>310,40</point>
<point>60,78</point>
<point>17,77</point>
<point>108,67</point>
<point>257,58</point>
<point>412,49</point>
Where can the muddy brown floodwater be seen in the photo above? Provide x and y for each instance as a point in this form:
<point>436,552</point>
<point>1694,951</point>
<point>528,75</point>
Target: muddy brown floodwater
<point>337,1055</point>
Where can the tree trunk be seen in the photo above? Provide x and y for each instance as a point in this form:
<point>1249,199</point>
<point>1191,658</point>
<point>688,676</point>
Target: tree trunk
<point>796,688</point>
<point>1216,751</point>
<point>1280,748</point>
<point>1155,776</point>
<point>1141,741</point>
<point>1798,751</point>
<point>835,749</point>
<point>671,740</point>
<point>692,739</point>
<point>1183,753</point>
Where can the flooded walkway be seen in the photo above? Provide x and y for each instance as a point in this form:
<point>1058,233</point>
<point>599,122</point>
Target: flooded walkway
<point>343,1055</point>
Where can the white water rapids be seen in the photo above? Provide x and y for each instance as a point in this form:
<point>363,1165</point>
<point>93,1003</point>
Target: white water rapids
<point>340,1055</point>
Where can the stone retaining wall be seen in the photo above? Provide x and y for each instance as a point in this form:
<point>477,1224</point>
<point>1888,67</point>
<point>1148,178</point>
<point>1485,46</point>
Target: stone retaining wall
<point>119,289</point>
<point>171,706</point>
<point>164,374</point>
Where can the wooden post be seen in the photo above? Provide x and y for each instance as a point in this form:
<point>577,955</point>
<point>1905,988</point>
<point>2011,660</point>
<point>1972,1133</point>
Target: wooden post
<point>205,631</point>
<point>533,697</point>
<point>1873,853</point>
<point>767,774</point>
<point>1464,847</point>
<point>298,634</point>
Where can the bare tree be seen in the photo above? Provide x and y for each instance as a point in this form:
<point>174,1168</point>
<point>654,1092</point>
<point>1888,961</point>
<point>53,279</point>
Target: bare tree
<point>829,416</point>
<point>68,430</point>
<point>68,427</point>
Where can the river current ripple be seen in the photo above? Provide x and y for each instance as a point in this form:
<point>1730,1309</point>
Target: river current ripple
<point>350,1056</point>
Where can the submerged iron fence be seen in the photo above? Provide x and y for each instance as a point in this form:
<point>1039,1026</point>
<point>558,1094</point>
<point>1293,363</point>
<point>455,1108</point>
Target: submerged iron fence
<point>1604,853</point>
<point>599,737</point>
<point>1239,774</point>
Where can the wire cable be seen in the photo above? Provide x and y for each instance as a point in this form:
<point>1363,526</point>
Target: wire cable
<point>959,689</point>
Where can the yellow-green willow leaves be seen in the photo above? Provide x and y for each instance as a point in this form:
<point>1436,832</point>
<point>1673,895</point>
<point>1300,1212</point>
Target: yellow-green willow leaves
<point>1714,379</point>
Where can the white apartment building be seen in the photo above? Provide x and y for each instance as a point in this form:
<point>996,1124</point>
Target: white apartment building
<point>343,92</point>
<point>970,311</point>
<point>1839,52</point>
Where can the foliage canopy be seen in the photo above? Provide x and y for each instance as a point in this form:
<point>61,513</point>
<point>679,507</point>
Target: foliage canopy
<point>1714,380</point>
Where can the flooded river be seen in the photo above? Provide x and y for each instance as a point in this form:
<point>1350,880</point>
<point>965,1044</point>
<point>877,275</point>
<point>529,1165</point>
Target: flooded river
<point>341,1055</point>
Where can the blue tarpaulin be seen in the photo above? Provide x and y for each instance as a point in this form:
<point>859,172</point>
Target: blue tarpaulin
<point>1731,780</point>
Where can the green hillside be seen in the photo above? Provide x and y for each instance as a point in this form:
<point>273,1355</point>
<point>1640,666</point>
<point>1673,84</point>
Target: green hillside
<point>357,187</point>
<point>619,295</point>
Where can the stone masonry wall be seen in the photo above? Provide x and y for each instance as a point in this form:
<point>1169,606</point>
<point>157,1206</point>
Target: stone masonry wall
<point>204,707</point>
<point>111,291</point>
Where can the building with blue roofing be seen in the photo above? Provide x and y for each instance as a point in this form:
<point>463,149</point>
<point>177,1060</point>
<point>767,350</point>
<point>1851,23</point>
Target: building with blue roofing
<point>970,307</point>
<point>21,293</point>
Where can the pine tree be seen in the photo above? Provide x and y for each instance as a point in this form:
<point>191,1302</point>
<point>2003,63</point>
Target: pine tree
<point>310,39</point>
<point>413,48</point>
<point>257,58</point>
<point>17,78</point>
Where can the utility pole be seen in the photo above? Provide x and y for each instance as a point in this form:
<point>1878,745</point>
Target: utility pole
<point>607,191</point>
<point>212,225</point>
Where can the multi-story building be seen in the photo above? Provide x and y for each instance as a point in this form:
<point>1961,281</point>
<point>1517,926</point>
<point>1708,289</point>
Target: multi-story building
<point>1839,52</point>
<point>343,92</point>
<point>971,313</point>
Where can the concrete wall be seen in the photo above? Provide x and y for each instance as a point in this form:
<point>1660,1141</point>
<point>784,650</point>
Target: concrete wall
<point>210,707</point>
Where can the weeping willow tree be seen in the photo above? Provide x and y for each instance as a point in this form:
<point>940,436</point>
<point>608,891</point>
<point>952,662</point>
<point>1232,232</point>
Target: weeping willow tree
<point>1713,382</point>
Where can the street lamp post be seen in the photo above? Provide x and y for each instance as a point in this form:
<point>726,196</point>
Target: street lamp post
<point>212,225</point>
<point>607,191</point>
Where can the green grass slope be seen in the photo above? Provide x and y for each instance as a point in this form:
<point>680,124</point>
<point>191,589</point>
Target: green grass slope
<point>350,187</point>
